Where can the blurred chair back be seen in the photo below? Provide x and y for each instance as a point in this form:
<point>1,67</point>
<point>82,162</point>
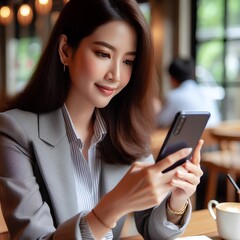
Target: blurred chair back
<point>222,155</point>
<point>3,228</point>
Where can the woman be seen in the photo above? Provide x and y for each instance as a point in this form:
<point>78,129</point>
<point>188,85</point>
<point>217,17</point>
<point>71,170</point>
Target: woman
<point>75,143</point>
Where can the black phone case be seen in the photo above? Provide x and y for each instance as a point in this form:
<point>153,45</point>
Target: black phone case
<point>185,132</point>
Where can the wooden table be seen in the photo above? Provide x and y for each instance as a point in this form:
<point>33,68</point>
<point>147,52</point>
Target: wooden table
<point>227,130</point>
<point>201,223</point>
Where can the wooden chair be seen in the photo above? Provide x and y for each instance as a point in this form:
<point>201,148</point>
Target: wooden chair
<point>3,228</point>
<point>224,160</point>
<point>157,139</point>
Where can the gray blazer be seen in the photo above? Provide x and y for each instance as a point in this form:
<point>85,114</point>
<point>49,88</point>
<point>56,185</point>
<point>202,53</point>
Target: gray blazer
<point>37,190</point>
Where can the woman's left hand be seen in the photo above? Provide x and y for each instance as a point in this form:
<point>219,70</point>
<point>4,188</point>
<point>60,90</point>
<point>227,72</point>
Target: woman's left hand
<point>186,180</point>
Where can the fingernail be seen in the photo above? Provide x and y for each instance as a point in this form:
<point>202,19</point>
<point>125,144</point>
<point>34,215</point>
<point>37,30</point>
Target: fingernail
<point>188,150</point>
<point>179,173</point>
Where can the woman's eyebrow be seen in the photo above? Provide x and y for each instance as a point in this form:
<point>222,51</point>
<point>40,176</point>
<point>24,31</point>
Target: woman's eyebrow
<point>107,45</point>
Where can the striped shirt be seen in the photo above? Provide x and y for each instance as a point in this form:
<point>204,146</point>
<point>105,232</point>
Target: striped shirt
<point>86,172</point>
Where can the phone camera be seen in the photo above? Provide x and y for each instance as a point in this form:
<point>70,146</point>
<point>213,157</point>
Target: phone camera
<point>179,125</point>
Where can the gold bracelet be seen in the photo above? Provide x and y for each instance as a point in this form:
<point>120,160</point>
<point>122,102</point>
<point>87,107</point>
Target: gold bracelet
<point>180,212</point>
<point>101,221</point>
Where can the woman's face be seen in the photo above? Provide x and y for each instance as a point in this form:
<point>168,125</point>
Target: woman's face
<point>102,64</point>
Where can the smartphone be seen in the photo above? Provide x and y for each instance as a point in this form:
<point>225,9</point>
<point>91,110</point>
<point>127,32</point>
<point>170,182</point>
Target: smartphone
<point>185,132</point>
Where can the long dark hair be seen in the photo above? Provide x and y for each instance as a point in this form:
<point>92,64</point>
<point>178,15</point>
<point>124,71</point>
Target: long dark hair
<point>129,116</point>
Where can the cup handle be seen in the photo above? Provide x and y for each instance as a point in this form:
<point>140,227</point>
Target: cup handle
<point>212,203</point>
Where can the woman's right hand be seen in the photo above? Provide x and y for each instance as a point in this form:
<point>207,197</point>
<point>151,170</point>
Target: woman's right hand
<point>143,186</point>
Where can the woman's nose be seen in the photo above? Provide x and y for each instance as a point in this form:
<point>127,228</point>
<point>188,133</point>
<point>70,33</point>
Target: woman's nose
<point>113,73</point>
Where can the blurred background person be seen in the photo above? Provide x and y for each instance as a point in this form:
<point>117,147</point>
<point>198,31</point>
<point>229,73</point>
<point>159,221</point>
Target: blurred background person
<point>185,94</point>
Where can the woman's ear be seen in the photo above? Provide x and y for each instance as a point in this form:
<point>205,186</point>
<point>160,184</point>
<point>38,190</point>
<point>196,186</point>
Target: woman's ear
<point>64,50</point>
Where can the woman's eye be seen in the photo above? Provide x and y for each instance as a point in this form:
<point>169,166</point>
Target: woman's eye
<point>103,55</point>
<point>129,62</point>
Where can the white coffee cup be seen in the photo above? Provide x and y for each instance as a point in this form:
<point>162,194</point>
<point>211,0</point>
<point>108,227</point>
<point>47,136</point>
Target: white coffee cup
<point>227,217</point>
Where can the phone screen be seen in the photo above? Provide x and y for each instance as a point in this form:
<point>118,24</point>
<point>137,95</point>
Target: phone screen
<point>185,132</point>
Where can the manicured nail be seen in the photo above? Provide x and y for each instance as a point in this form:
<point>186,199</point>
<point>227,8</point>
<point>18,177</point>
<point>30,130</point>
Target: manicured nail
<point>179,173</point>
<point>188,150</point>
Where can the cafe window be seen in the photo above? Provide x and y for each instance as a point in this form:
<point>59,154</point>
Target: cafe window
<point>216,48</point>
<point>146,10</point>
<point>23,56</point>
<point>24,40</point>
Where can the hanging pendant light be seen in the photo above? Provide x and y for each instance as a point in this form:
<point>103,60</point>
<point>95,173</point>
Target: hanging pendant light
<point>43,6</point>
<point>6,15</point>
<point>25,14</point>
<point>65,1</point>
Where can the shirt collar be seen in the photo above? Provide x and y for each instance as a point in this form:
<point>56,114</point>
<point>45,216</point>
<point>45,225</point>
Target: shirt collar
<point>100,128</point>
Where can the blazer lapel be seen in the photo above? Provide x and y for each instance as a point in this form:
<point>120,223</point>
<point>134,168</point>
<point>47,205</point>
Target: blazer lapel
<point>55,163</point>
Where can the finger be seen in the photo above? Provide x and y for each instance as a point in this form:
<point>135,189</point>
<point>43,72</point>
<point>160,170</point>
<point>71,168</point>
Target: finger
<point>197,153</point>
<point>188,177</point>
<point>172,158</point>
<point>187,187</point>
<point>195,169</point>
<point>182,168</point>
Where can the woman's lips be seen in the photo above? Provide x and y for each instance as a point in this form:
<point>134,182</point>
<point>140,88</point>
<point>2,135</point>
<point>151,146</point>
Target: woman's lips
<point>107,91</point>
